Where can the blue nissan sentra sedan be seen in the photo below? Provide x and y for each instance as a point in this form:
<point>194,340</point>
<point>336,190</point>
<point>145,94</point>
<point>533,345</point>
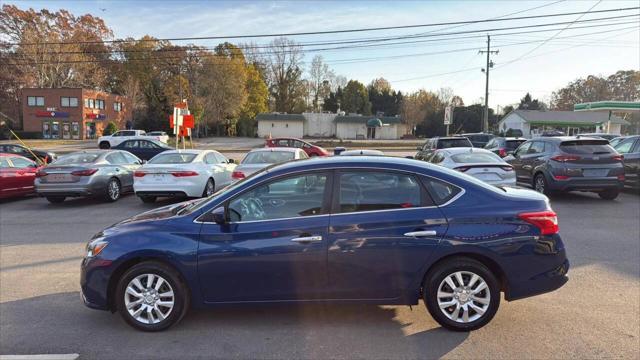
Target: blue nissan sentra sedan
<point>376,230</point>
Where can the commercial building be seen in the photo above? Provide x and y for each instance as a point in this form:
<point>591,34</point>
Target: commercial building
<point>533,123</point>
<point>321,125</point>
<point>72,113</point>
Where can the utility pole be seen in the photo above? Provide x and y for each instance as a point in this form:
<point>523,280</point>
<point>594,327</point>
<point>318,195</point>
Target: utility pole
<point>485,117</point>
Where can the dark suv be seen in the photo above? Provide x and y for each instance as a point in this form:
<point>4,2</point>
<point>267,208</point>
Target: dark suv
<point>629,147</point>
<point>569,164</point>
<point>441,143</point>
<point>504,146</point>
<point>478,139</point>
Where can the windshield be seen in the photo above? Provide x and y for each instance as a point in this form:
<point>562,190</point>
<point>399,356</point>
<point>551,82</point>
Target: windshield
<point>268,157</point>
<point>469,158</point>
<point>451,143</point>
<point>77,159</point>
<point>174,158</point>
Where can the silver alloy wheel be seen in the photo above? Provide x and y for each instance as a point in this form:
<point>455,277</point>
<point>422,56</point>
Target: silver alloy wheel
<point>463,296</point>
<point>210,188</point>
<point>150,303</point>
<point>114,190</point>
<point>539,184</point>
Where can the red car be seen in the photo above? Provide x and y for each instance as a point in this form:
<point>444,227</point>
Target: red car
<point>311,150</point>
<point>16,175</point>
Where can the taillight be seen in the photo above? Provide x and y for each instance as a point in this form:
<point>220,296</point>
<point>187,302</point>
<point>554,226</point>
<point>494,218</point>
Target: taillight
<point>617,157</point>
<point>87,172</point>
<point>621,177</point>
<point>546,221</point>
<point>41,173</point>
<point>565,158</point>
<point>560,177</point>
<point>238,175</point>
<point>184,173</point>
<point>507,168</point>
<point>502,152</point>
<point>139,173</point>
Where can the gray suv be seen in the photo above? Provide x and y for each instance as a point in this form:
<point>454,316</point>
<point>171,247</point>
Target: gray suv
<point>565,163</point>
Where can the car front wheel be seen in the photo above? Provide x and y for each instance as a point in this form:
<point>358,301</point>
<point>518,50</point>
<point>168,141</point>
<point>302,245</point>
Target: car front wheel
<point>151,297</point>
<point>461,294</point>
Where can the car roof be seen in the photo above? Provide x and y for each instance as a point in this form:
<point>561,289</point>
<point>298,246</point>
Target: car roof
<point>186,151</point>
<point>272,149</point>
<point>461,150</point>
<point>450,137</point>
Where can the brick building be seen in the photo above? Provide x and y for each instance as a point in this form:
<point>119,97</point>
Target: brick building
<point>72,113</point>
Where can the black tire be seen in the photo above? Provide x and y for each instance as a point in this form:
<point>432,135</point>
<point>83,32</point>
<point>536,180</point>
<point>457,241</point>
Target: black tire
<point>540,184</point>
<point>104,145</point>
<point>609,194</point>
<point>209,188</point>
<point>56,199</point>
<point>148,199</point>
<point>177,285</point>
<point>113,196</point>
<point>437,276</point>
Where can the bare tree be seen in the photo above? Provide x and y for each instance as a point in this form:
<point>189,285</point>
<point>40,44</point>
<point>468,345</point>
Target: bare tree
<point>285,75</point>
<point>320,81</point>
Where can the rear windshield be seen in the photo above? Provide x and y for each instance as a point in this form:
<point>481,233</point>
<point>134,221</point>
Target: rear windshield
<point>470,158</point>
<point>172,158</point>
<point>586,147</point>
<point>451,143</point>
<point>268,157</point>
<point>77,159</point>
<point>513,144</point>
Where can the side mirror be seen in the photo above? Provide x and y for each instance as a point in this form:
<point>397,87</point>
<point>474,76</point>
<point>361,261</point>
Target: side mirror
<point>218,215</point>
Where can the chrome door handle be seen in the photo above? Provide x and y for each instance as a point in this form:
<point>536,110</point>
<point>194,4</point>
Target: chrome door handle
<point>307,239</point>
<point>421,233</point>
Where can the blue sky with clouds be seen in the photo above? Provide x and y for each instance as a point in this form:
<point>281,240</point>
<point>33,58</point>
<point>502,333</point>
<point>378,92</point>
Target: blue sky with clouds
<point>571,54</point>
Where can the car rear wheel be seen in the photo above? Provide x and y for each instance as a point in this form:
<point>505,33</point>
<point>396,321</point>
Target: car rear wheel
<point>148,199</point>
<point>113,191</point>
<point>55,199</point>
<point>609,194</point>
<point>105,145</point>
<point>540,184</point>
<point>209,188</point>
<point>151,297</point>
<point>461,294</point>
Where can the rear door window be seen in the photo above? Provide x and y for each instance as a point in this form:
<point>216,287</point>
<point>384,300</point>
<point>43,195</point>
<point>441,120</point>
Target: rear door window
<point>131,144</point>
<point>441,192</point>
<point>625,146</point>
<point>378,190</point>
<point>586,147</point>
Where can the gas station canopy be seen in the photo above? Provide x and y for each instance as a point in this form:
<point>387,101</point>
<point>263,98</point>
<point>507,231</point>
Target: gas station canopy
<point>621,106</point>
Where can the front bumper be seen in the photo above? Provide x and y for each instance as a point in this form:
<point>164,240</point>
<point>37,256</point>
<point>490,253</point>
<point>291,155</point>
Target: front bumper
<point>94,282</point>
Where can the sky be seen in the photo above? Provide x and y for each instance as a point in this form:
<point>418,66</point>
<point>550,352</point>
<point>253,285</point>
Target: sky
<point>539,62</point>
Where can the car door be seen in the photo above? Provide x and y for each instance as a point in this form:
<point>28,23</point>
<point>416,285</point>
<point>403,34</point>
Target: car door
<point>516,162</point>
<point>382,231</point>
<point>123,167</point>
<point>532,159</point>
<point>274,246</point>
<point>8,178</point>
<point>227,168</point>
<point>630,150</point>
<point>24,174</point>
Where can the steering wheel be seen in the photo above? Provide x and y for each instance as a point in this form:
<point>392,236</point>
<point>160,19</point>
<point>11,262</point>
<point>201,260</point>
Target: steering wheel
<point>252,208</point>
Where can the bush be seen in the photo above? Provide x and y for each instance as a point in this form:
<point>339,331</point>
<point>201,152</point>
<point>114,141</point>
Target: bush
<point>110,129</point>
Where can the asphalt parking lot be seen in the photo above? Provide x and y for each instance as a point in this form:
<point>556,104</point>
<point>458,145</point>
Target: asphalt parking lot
<point>595,315</point>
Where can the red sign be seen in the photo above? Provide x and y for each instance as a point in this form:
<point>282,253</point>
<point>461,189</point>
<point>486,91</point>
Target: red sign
<point>187,121</point>
<point>96,116</point>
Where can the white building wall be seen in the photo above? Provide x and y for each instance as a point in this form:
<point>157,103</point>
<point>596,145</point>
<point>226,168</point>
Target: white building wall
<point>389,132</point>
<point>319,125</point>
<point>279,128</point>
<point>351,130</point>
<point>514,121</point>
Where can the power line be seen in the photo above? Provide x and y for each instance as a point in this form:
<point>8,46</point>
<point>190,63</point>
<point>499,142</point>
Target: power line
<point>328,31</point>
<point>368,44</point>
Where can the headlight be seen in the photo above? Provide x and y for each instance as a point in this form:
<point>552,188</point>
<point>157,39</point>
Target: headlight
<point>95,246</point>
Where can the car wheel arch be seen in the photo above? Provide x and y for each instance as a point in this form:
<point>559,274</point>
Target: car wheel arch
<point>127,264</point>
<point>486,260</point>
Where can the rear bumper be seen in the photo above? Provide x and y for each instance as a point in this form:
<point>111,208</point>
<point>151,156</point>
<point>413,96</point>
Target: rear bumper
<point>547,281</point>
<point>162,193</point>
<point>585,184</point>
<point>70,189</point>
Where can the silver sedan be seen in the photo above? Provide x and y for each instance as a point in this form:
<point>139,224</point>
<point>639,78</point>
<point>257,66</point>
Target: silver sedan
<point>258,159</point>
<point>103,173</point>
<point>479,163</point>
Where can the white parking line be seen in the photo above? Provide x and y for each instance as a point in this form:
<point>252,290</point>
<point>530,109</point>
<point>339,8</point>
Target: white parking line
<point>40,357</point>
